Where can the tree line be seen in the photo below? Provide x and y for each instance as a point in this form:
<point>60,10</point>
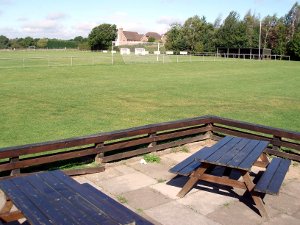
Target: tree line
<point>281,34</point>
<point>43,43</point>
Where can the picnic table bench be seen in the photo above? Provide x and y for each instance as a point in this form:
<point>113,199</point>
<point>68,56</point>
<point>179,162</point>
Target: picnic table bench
<point>55,198</point>
<point>239,154</point>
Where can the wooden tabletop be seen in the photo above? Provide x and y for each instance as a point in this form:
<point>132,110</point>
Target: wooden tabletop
<point>233,152</point>
<point>55,198</point>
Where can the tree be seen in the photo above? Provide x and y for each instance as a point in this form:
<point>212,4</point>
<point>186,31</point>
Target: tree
<point>4,42</point>
<point>42,43</point>
<point>79,39</point>
<point>251,23</point>
<point>232,33</point>
<point>268,28</point>
<point>28,41</point>
<point>151,39</point>
<point>176,41</point>
<point>293,47</point>
<point>101,36</point>
<point>292,21</point>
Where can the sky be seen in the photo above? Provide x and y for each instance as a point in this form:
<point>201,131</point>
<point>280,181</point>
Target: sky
<point>66,19</point>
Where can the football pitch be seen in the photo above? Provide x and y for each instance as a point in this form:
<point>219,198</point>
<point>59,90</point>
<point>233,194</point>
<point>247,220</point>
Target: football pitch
<point>54,102</point>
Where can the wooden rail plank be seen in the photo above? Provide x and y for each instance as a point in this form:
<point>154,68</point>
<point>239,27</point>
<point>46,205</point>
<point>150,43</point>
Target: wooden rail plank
<point>243,134</point>
<point>152,149</point>
<point>48,159</point>
<point>283,154</point>
<point>146,140</point>
<point>257,128</point>
<point>273,141</point>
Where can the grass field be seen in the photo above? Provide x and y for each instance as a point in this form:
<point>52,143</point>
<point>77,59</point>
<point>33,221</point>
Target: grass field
<point>48,103</point>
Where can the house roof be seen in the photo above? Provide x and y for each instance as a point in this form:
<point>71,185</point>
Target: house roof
<point>154,35</point>
<point>132,36</point>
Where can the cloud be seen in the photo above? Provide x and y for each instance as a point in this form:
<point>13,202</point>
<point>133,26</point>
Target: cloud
<point>83,29</point>
<point>6,2</point>
<point>56,16</point>
<point>168,20</point>
<point>22,19</point>
<point>120,13</point>
<point>37,26</point>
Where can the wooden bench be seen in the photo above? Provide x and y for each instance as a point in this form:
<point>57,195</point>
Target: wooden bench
<point>187,166</point>
<point>271,180</point>
<point>190,164</point>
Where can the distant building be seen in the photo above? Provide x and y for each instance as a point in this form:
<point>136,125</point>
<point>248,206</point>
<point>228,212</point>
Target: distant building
<point>133,38</point>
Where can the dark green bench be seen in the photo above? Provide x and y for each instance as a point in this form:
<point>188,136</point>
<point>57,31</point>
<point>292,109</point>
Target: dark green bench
<point>187,166</point>
<point>190,164</point>
<point>271,180</point>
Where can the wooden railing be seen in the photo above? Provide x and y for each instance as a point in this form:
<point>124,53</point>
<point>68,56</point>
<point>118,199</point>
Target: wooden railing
<point>111,146</point>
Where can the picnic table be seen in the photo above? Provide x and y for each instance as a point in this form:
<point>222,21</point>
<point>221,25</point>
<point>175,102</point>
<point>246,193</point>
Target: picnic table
<point>55,198</point>
<point>239,154</point>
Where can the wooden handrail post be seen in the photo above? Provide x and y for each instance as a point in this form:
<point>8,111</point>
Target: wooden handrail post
<point>14,171</point>
<point>276,143</point>
<point>153,143</point>
<point>209,133</point>
<point>99,157</point>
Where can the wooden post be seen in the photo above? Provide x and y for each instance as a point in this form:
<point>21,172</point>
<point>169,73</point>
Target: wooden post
<point>276,143</point>
<point>152,144</point>
<point>209,133</point>
<point>14,171</point>
<point>99,157</point>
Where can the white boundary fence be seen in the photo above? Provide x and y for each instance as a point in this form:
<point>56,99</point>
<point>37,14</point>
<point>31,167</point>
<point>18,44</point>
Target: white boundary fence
<point>104,58</point>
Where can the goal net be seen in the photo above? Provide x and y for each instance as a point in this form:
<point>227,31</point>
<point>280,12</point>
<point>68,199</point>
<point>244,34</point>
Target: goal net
<point>147,52</point>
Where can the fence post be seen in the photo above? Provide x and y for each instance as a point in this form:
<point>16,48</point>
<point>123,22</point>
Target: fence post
<point>209,133</point>
<point>23,62</point>
<point>276,143</point>
<point>153,143</point>
<point>163,59</point>
<point>71,61</point>
<point>177,58</point>
<point>14,171</point>
<point>99,157</point>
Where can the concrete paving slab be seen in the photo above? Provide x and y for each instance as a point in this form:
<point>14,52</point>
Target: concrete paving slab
<point>235,213</point>
<point>173,213</point>
<point>158,171</point>
<point>177,156</point>
<point>145,198</point>
<point>195,146</point>
<point>171,188</point>
<point>284,203</point>
<point>124,169</point>
<point>297,215</point>
<point>206,202</point>
<point>293,172</point>
<point>283,219</point>
<point>109,173</point>
<point>126,183</point>
<point>291,188</point>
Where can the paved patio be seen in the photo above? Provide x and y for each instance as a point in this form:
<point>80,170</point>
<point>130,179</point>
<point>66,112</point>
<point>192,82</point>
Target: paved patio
<point>151,190</point>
